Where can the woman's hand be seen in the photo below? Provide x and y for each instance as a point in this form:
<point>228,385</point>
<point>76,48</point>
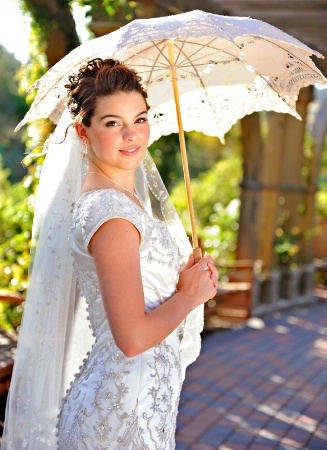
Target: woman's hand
<point>198,281</point>
<point>213,270</point>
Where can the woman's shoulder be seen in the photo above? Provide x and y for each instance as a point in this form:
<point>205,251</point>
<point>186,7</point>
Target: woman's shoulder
<point>94,208</point>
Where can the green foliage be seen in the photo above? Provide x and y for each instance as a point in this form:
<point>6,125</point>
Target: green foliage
<point>321,199</point>
<point>16,213</point>
<point>10,316</point>
<point>216,172</point>
<point>13,108</point>
<point>216,204</point>
<point>124,9</point>
<point>166,154</point>
<point>286,247</point>
<point>202,153</point>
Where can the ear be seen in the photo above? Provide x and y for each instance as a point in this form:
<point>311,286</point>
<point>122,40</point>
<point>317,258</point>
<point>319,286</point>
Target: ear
<point>81,131</point>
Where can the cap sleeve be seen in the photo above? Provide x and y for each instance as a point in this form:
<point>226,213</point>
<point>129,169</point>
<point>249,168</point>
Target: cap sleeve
<point>97,207</point>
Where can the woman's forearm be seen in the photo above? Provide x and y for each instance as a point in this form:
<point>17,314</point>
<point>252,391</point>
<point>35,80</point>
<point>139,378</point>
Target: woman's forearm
<point>154,326</point>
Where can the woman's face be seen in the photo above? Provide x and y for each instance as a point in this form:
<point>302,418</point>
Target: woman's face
<point>119,131</point>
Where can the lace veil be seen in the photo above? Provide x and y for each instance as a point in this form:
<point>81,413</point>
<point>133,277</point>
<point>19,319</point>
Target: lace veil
<point>54,336</point>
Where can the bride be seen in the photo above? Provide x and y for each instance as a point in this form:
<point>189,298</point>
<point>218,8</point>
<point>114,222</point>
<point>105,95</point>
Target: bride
<point>127,262</point>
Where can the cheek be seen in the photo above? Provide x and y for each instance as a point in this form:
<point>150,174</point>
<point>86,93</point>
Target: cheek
<point>100,144</point>
<point>146,133</point>
<point>103,139</point>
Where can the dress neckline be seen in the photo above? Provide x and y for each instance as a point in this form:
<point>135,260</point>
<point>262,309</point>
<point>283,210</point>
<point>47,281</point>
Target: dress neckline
<point>116,190</point>
<point>150,216</point>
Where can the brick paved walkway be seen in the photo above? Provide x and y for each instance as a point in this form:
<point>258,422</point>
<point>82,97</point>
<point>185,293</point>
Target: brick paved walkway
<point>259,389</point>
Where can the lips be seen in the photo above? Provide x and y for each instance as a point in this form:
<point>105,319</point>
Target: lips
<point>131,151</point>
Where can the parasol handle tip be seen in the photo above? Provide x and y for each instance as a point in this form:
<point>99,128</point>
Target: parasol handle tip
<point>197,253</point>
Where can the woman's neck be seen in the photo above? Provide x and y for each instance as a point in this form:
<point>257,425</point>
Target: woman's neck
<point>123,178</point>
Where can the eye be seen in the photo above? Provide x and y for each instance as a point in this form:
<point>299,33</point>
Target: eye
<point>142,120</point>
<point>112,123</point>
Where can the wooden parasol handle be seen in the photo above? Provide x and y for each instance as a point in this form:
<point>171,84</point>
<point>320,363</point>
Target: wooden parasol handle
<point>197,252</point>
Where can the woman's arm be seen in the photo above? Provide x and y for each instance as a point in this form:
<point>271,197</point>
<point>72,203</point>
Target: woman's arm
<point>115,249</point>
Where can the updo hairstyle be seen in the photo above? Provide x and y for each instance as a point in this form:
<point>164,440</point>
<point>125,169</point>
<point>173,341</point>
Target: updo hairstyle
<point>98,78</point>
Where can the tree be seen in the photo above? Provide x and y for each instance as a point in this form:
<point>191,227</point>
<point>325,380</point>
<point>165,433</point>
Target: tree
<point>12,108</point>
<point>54,25</point>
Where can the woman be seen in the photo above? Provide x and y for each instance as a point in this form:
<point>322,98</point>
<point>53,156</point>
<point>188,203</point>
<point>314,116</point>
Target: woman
<point>144,307</point>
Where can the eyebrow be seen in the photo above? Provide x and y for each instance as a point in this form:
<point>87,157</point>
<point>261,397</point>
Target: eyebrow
<point>119,117</point>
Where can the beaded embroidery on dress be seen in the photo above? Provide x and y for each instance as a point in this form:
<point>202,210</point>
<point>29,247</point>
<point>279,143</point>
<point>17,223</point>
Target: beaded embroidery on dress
<point>116,402</point>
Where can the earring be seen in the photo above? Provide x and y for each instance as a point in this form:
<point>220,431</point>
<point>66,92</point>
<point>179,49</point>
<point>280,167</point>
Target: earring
<point>85,151</point>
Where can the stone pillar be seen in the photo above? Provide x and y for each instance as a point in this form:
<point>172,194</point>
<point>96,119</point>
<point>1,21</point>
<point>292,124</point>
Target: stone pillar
<point>270,286</point>
<point>290,283</point>
<point>307,281</point>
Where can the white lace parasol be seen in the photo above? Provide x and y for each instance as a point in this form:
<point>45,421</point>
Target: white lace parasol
<point>227,67</point>
<point>221,68</point>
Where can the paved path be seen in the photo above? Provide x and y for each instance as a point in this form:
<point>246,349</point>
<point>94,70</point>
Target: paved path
<point>259,388</point>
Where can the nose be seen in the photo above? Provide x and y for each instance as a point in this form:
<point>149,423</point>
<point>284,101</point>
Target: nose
<point>129,133</point>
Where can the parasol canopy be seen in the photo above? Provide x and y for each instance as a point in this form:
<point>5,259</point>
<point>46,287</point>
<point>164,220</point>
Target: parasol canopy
<point>211,70</point>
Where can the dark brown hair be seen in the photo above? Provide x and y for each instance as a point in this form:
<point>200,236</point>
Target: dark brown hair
<point>98,78</point>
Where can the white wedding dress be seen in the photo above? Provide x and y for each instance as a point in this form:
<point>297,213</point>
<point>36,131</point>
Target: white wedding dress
<point>116,402</point>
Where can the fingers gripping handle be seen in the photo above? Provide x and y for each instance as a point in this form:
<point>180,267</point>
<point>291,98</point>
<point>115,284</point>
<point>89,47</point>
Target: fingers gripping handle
<point>197,253</point>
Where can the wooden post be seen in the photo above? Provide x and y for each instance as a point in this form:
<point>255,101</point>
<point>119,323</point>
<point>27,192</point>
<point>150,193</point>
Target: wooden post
<point>273,175</point>
<point>252,156</point>
<point>308,218</point>
<point>269,192</point>
<point>259,198</point>
<point>292,178</point>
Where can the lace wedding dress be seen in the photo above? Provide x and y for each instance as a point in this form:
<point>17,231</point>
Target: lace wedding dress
<point>116,402</point>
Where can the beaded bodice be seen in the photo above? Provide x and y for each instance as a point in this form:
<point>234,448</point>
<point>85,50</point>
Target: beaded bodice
<point>159,257</point>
